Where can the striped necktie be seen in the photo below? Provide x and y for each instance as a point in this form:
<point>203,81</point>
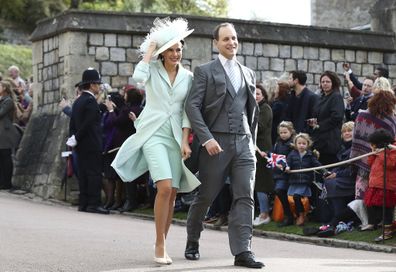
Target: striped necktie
<point>232,72</point>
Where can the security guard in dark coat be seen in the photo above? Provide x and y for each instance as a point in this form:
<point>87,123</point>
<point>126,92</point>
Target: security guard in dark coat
<point>86,139</point>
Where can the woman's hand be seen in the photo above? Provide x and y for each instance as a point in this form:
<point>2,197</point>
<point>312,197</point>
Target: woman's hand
<point>331,176</point>
<point>109,105</point>
<point>150,50</point>
<point>185,150</point>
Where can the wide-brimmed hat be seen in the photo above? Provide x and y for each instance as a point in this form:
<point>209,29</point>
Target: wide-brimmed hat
<point>166,33</point>
<point>90,76</point>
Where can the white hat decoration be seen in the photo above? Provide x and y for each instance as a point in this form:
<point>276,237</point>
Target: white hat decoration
<point>165,33</point>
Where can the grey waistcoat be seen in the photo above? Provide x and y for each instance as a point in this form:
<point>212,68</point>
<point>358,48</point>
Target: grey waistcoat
<point>233,118</point>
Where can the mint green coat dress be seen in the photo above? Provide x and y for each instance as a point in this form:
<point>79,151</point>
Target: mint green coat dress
<point>164,103</point>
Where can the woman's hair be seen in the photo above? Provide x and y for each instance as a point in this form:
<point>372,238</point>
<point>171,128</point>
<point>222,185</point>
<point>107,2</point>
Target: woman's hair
<point>263,91</point>
<point>382,104</point>
<point>7,87</point>
<point>381,138</point>
<point>288,125</point>
<point>283,90</point>
<point>270,86</point>
<point>382,84</point>
<point>347,126</point>
<point>304,136</point>
<point>133,96</point>
<point>335,80</point>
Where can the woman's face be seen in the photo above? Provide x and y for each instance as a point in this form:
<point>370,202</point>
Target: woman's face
<point>326,84</point>
<point>259,95</point>
<point>347,135</point>
<point>172,55</point>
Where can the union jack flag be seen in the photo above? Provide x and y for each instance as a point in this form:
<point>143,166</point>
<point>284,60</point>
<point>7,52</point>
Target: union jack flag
<point>273,159</point>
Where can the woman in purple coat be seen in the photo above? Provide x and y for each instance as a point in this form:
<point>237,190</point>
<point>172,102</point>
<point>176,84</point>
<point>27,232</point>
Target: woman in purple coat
<point>119,125</point>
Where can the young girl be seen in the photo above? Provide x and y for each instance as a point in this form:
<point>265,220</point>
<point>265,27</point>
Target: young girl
<point>283,146</point>
<point>373,198</point>
<point>299,183</point>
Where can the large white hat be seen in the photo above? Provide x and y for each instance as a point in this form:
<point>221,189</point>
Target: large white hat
<point>166,33</point>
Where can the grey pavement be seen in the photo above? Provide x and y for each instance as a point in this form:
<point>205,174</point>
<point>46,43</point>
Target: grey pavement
<point>38,235</point>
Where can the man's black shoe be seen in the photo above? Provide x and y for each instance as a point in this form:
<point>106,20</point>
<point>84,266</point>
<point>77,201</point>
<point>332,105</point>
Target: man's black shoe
<point>98,209</point>
<point>247,259</point>
<point>82,208</point>
<point>192,251</point>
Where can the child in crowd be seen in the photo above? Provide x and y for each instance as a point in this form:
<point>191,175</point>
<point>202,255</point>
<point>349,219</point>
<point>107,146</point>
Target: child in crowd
<point>283,146</point>
<point>299,183</point>
<point>374,195</point>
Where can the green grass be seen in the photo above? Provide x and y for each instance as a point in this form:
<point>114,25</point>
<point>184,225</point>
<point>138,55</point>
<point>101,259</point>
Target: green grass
<point>18,55</point>
<point>355,235</point>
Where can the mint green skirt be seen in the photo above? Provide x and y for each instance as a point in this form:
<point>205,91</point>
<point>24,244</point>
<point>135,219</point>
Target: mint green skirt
<point>163,155</point>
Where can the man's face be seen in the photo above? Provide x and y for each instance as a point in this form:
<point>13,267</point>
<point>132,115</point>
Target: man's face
<point>367,86</point>
<point>377,73</point>
<point>95,88</point>
<point>291,81</point>
<point>228,42</point>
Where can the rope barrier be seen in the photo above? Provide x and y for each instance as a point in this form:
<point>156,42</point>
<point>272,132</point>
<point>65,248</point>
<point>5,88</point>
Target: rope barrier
<point>312,168</point>
<point>338,163</point>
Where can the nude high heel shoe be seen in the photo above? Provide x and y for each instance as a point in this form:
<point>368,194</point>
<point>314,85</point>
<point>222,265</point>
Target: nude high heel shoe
<point>162,260</point>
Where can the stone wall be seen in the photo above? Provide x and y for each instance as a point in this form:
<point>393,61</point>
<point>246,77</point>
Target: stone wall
<point>63,47</point>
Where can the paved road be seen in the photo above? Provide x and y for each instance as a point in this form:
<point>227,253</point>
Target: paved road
<point>40,236</point>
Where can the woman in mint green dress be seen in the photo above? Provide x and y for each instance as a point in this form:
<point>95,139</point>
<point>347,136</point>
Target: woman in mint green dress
<point>160,144</point>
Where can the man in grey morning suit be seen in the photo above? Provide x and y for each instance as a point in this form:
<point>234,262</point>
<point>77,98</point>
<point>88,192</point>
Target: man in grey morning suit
<point>223,113</point>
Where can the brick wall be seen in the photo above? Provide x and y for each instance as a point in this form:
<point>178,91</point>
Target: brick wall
<point>63,47</point>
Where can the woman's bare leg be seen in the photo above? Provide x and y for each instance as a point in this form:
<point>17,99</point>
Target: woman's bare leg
<point>161,214</point>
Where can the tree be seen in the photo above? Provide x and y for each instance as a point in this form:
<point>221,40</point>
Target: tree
<point>193,7</point>
<point>28,12</point>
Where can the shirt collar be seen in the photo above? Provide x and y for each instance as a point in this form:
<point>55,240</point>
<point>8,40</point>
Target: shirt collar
<point>91,93</point>
<point>224,59</point>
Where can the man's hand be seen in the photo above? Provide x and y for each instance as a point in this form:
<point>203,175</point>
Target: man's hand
<point>213,147</point>
<point>346,66</point>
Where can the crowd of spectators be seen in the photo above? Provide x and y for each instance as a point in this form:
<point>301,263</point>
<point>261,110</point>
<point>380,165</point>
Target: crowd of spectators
<point>334,123</point>
<point>16,105</point>
<point>339,120</point>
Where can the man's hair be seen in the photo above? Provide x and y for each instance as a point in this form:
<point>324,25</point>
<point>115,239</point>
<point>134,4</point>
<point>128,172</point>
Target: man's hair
<point>217,29</point>
<point>85,86</point>
<point>380,138</point>
<point>300,75</point>
<point>370,78</point>
<point>383,72</point>
<point>13,67</point>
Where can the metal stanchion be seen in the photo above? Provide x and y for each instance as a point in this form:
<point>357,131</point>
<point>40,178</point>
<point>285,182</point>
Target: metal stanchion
<point>384,197</point>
